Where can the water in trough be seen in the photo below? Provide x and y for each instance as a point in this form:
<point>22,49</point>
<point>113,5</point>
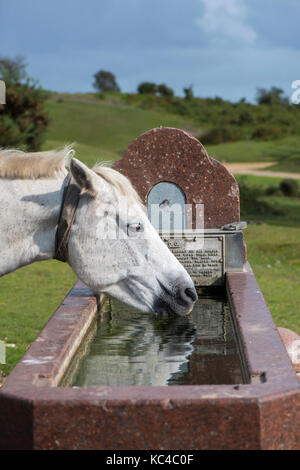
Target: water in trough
<point>130,348</point>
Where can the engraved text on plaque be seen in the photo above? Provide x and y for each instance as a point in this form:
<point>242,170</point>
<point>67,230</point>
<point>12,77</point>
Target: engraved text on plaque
<point>206,264</point>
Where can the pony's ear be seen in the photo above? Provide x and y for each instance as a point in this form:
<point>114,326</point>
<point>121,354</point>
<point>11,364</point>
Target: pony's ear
<point>84,177</point>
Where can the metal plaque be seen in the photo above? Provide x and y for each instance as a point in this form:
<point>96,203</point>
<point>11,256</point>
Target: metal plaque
<point>205,265</point>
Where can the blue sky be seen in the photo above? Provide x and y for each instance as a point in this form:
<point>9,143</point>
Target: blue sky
<point>224,48</point>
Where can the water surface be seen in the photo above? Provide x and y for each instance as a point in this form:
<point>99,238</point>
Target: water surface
<point>130,348</point>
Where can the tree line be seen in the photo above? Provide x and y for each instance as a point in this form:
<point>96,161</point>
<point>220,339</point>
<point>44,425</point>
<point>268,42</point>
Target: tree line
<point>105,81</point>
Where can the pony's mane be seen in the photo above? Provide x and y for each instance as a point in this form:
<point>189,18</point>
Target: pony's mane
<point>15,164</point>
<point>117,180</point>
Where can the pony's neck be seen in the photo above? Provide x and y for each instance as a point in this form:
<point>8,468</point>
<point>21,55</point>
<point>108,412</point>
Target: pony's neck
<point>29,211</point>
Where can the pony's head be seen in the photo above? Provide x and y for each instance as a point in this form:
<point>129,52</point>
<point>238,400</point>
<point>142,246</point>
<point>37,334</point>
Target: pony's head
<point>114,249</point>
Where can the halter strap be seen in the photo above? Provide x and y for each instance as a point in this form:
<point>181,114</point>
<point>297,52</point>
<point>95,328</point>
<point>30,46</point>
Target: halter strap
<point>70,200</point>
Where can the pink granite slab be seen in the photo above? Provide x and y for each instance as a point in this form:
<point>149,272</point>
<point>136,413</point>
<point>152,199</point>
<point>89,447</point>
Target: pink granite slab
<point>173,155</point>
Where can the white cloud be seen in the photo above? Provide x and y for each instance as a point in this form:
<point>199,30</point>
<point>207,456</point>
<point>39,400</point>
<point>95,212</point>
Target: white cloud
<point>224,22</point>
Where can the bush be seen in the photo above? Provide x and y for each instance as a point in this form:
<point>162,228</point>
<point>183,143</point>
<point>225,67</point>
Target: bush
<point>165,91</point>
<point>218,135</point>
<point>147,88</point>
<point>273,191</point>
<point>251,203</point>
<point>23,120</point>
<point>271,97</point>
<point>245,117</point>
<point>266,132</point>
<point>289,187</point>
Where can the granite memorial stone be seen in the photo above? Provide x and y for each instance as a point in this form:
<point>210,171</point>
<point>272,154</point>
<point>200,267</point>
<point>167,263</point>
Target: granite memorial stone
<point>192,200</point>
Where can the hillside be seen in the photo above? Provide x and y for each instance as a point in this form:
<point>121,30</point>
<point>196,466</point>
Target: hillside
<point>103,128</point>
<point>102,131</point>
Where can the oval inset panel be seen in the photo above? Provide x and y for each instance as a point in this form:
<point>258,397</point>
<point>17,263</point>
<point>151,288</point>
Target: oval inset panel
<point>166,206</point>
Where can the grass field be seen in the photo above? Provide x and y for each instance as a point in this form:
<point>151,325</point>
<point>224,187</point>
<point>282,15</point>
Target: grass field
<point>103,131</point>
<point>286,152</point>
<point>273,252</point>
<point>287,209</point>
<point>100,131</point>
<point>273,246</point>
<point>30,295</point>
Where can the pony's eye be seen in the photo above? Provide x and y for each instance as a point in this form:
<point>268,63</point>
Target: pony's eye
<point>134,228</point>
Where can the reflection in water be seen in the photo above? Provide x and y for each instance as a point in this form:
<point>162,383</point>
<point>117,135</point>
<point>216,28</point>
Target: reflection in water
<point>137,349</point>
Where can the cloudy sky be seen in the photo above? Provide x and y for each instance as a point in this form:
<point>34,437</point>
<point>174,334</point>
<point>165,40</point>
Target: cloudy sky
<point>224,48</point>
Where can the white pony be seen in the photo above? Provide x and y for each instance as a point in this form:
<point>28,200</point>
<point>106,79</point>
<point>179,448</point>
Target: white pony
<point>135,266</point>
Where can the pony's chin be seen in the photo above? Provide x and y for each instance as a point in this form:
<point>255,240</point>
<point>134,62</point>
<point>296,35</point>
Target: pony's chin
<point>163,308</point>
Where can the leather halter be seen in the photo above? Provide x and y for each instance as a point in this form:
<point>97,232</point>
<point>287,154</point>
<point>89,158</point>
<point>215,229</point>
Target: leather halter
<point>70,200</point>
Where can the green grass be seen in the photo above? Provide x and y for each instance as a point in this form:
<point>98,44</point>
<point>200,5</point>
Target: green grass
<point>273,252</point>
<point>28,297</point>
<point>284,151</point>
<point>262,182</point>
<point>101,132</point>
<point>273,247</point>
<point>288,208</point>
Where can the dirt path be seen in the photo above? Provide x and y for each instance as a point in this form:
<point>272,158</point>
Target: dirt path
<point>258,170</point>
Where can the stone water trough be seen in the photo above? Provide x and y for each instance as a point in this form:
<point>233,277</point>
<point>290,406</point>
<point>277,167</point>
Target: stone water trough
<point>258,409</point>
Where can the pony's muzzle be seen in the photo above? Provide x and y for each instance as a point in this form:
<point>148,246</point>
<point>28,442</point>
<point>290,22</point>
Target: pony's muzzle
<point>186,295</point>
<point>191,293</point>
<point>179,300</point>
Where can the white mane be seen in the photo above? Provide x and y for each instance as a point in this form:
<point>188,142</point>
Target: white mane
<point>117,180</point>
<point>15,164</point>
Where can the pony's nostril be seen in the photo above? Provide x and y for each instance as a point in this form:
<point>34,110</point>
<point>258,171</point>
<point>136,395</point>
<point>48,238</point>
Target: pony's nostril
<point>191,293</point>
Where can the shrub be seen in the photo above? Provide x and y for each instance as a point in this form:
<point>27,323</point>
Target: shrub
<point>147,88</point>
<point>289,187</point>
<point>273,191</point>
<point>251,203</point>
<point>266,132</point>
<point>23,120</point>
<point>245,117</point>
<point>165,91</point>
<point>271,97</point>
<point>218,135</point>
